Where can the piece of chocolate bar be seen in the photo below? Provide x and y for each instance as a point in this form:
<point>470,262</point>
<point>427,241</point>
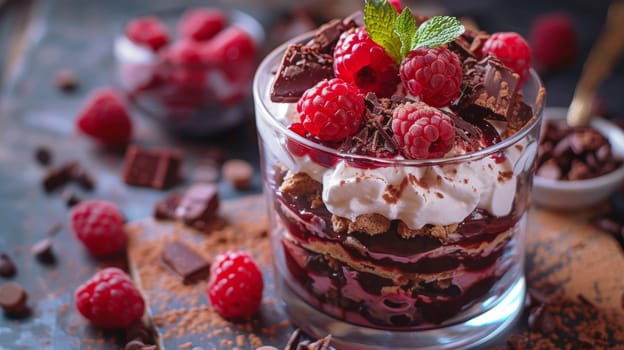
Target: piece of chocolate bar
<point>301,68</point>
<point>496,93</point>
<point>154,168</point>
<point>198,205</point>
<point>185,262</point>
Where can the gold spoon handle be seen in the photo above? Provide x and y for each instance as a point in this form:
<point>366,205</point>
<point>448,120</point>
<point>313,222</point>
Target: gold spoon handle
<point>600,62</point>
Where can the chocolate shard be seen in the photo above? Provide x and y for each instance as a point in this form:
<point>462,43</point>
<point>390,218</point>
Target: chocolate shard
<point>155,168</point>
<point>7,267</point>
<point>327,35</point>
<point>301,68</point>
<point>461,47</point>
<point>199,205</point>
<point>185,262</point>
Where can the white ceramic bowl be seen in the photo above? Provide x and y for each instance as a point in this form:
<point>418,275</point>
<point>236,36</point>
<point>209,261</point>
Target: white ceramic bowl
<point>570,195</point>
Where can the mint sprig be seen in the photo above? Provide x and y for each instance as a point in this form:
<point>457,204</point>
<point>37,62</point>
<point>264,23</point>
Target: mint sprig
<point>398,34</point>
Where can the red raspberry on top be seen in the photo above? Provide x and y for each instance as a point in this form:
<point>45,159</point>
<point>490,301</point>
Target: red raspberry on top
<point>554,40</point>
<point>235,285</point>
<point>202,24</point>
<point>109,299</point>
<point>422,132</point>
<point>105,118</point>
<point>147,31</point>
<point>433,74</point>
<point>99,225</point>
<point>360,61</point>
<point>397,5</point>
<point>512,50</point>
<point>331,110</point>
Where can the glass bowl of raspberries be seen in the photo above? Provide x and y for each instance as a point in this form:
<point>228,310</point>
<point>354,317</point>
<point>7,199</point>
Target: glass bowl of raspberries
<point>191,69</point>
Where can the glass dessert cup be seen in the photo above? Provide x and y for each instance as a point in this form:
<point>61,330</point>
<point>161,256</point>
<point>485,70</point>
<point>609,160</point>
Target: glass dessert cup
<point>453,284</point>
<point>189,99</point>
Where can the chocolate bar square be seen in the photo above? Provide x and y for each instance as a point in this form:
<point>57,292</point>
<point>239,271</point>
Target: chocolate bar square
<point>185,262</point>
<point>156,168</point>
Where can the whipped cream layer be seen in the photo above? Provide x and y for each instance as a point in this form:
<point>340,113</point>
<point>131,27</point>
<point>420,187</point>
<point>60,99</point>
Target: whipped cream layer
<point>432,194</point>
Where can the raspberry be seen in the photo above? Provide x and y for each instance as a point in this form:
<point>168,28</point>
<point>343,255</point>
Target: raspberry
<point>422,132</point>
<point>183,71</point>
<point>235,285</point>
<point>434,75</point>
<point>234,51</point>
<point>109,299</point>
<point>147,31</point>
<point>331,110</point>
<point>98,224</point>
<point>201,24</point>
<point>360,61</point>
<point>512,50</point>
<point>105,118</point>
<point>554,40</point>
<point>396,4</point>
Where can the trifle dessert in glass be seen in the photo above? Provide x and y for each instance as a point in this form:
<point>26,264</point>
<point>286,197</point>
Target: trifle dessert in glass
<point>398,153</point>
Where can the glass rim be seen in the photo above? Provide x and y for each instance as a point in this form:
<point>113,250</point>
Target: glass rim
<point>261,102</point>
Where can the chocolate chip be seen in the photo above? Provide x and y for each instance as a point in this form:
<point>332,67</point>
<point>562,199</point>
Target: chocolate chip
<point>185,262</point>
<point>13,298</point>
<point>137,344</point>
<point>44,251</point>
<point>43,155</point>
<point>155,168</point>
<point>71,198</point>
<point>7,267</point>
<point>66,80</point>
<point>238,173</point>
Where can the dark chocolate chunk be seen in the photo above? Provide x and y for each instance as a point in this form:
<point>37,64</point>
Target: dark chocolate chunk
<point>138,344</point>
<point>80,176</point>
<point>165,208</point>
<point>155,168</point>
<point>327,35</point>
<point>13,298</point>
<point>56,178</point>
<point>461,47</point>
<point>185,262</point>
<point>66,80</point>
<point>7,267</point>
<point>44,251</point>
<point>238,173</point>
<point>43,155</point>
<point>71,198</point>
<point>301,68</point>
<point>198,205</point>
<point>496,94</point>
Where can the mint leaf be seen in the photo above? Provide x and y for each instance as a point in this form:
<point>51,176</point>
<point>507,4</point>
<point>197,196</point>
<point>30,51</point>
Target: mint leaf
<point>405,28</point>
<point>380,18</point>
<point>437,31</point>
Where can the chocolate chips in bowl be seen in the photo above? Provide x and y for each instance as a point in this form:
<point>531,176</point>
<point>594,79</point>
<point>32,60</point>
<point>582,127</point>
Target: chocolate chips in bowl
<point>577,167</point>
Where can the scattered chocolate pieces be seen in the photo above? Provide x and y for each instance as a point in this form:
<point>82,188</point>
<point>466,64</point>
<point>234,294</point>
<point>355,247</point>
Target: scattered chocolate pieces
<point>43,155</point>
<point>13,299</point>
<point>66,80</point>
<point>44,251</point>
<point>198,205</point>
<point>7,267</point>
<point>184,262</point>
<point>156,168</point>
<point>238,173</point>
<point>574,153</point>
<point>72,171</point>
